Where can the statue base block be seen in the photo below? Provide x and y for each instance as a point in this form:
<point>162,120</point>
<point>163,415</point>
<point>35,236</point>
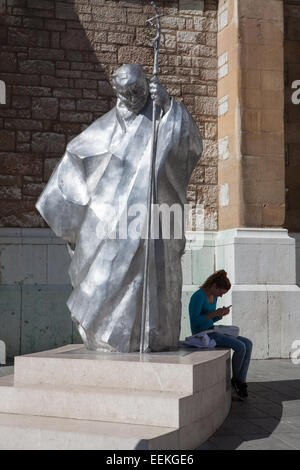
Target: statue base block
<point>71,398</point>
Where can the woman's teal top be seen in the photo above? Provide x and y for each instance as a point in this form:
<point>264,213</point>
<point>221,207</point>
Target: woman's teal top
<point>199,307</point>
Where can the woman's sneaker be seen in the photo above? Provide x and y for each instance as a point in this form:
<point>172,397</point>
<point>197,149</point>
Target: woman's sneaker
<point>243,389</point>
<point>240,388</point>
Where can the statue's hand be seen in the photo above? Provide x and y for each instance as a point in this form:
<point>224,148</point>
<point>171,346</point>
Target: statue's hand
<point>159,94</point>
<point>71,249</point>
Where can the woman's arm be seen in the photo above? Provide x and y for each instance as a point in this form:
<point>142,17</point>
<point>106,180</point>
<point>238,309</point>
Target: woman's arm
<point>195,309</point>
<point>217,314</point>
<point>198,317</point>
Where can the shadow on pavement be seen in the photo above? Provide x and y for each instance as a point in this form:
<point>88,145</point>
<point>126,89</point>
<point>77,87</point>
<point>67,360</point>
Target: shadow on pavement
<point>268,419</point>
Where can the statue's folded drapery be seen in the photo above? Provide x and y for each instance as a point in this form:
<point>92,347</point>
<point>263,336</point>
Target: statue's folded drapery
<point>91,194</point>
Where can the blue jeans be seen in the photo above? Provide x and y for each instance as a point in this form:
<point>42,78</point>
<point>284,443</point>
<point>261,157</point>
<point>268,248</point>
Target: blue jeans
<point>242,353</point>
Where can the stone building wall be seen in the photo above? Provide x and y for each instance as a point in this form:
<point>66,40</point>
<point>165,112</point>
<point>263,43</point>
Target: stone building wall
<point>251,170</point>
<point>292,114</point>
<point>56,60</point>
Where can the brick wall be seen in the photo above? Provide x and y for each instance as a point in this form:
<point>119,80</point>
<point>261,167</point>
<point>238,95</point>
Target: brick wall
<point>56,60</point>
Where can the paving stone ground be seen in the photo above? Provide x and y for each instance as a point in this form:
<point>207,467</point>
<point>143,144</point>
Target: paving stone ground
<point>270,418</point>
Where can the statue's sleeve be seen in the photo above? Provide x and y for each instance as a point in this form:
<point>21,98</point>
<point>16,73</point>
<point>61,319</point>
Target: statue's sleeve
<point>63,202</point>
<point>195,145</point>
<point>179,139</point>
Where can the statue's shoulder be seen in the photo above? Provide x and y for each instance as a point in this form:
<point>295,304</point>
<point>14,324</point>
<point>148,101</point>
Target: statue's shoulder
<point>98,132</point>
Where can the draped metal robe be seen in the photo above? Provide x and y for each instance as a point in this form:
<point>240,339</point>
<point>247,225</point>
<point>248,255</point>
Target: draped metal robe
<point>107,163</point>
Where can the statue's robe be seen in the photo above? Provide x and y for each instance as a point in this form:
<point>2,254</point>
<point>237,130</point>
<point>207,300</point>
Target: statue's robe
<point>104,168</point>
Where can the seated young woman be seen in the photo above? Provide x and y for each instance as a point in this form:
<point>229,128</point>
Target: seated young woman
<point>203,314</point>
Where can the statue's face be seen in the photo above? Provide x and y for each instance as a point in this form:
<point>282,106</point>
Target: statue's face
<point>132,92</point>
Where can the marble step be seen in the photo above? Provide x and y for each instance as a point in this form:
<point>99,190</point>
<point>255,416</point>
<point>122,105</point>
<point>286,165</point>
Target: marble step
<point>26,432</point>
<point>179,371</point>
<point>151,408</point>
<point>73,400</point>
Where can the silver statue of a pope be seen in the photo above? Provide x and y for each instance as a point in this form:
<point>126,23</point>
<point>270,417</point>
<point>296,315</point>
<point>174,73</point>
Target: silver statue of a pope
<point>94,200</point>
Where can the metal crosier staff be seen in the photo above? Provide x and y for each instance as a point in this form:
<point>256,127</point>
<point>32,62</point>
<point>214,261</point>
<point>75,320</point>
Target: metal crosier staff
<point>155,43</point>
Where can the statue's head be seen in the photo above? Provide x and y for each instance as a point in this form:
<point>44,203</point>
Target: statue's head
<point>131,86</point>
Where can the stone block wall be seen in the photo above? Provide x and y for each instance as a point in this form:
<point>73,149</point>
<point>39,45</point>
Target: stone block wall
<point>56,60</point>
<point>34,288</point>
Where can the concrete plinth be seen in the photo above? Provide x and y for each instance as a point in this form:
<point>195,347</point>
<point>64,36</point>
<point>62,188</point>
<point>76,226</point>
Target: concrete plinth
<point>261,265</point>
<point>70,398</point>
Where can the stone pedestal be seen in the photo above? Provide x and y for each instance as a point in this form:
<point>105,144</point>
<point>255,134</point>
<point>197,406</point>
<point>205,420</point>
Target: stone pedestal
<point>71,398</point>
<point>296,236</point>
<point>261,265</point>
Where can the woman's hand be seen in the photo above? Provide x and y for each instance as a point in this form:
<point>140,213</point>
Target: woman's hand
<point>221,312</point>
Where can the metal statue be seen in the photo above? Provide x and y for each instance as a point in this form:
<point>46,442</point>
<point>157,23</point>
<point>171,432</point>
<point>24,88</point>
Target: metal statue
<point>139,155</point>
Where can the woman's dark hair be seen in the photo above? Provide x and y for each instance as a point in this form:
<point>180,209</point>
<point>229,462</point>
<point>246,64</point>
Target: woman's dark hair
<point>219,278</point>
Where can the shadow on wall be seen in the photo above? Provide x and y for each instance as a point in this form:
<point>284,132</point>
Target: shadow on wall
<point>56,63</point>
<point>56,60</point>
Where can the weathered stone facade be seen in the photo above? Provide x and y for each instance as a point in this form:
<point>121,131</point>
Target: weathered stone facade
<point>57,57</point>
